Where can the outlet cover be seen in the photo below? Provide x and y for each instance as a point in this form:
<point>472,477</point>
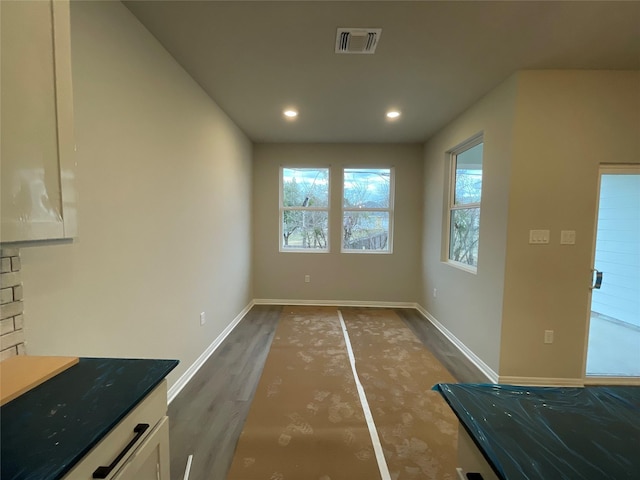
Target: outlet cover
<point>548,336</point>
<point>568,237</point>
<point>203,318</point>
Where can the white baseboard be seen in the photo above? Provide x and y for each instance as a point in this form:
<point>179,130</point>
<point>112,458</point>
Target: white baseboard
<point>177,387</point>
<point>593,380</point>
<point>487,371</point>
<point>541,381</point>
<point>333,303</point>
<point>191,371</point>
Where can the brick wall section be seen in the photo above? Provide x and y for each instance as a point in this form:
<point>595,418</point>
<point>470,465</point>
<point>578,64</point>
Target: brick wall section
<point>11,306</point>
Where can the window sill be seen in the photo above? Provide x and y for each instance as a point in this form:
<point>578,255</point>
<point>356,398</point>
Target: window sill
<point>462,266</point>
<point>366,252</point>
<point>303,250</point>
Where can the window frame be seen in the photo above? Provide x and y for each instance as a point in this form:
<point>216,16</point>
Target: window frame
<point>451,205</point>
<point>389,210</point>
<point>282,209</point>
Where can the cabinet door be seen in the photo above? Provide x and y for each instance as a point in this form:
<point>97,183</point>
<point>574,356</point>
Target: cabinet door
<point>37,200</point>
<point>150,461</point>
<point>116,449</point>
<point>470,459</point>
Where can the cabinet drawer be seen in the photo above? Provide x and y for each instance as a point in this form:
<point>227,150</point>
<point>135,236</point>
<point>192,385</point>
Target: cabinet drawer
<point>149,411</point>
<point>151,460</point>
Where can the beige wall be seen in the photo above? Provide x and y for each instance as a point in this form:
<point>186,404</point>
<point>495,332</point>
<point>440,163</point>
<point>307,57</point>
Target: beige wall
<point>468,304</point>
<point>337,276</point>
<point>170,222</point>
<point>545,133</point>
<point>164,187</point>
<point>567,123</point>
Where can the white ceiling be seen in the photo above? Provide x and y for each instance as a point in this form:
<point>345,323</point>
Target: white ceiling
<point>433,61</point>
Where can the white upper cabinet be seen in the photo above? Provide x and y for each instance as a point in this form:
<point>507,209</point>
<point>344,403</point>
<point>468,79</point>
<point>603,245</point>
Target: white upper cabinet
<point>37,166</point>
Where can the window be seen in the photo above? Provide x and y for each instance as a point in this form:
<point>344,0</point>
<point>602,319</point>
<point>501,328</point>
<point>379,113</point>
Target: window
<point>464,203</point>
<point>367,210</point>
<point>304,209</point>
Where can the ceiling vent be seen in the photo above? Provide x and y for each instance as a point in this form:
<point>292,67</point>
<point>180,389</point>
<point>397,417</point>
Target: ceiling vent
<point>357,40</point>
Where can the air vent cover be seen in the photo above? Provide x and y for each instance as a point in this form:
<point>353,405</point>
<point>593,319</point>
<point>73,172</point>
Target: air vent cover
<point>357,40</point>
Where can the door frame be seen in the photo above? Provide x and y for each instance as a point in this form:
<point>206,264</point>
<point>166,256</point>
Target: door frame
<point>603,169</point>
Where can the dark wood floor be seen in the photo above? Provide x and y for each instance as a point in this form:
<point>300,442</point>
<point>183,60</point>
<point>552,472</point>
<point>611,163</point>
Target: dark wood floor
<point>441,348</point>
<point>207,417</point>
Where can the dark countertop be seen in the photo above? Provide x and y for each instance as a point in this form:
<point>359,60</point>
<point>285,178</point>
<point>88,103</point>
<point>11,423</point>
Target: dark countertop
<point>48,429</point>
<point>590,433</point>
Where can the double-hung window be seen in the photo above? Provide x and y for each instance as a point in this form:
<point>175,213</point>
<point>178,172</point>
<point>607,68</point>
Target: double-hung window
<point>304,209</point>
<point>465,193</point>
<point>367,210</point>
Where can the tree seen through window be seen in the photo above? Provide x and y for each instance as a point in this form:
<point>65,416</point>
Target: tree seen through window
<point>305,208</point>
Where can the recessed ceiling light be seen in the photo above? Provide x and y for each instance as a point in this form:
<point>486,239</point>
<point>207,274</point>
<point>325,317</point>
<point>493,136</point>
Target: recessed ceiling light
<point>290,113</point>
<point>392,114</point>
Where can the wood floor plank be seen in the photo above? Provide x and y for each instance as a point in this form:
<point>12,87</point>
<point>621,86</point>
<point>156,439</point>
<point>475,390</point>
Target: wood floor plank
<point>446,353</point>
<point>306,419</point>
<point>208,415</point>
<point>417,430</point>
<point>206,418</point>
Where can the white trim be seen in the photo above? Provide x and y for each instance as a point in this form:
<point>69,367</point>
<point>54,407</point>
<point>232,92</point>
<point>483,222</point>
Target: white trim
<point>282,209</point>
<point>593,380</point>
<point>485,369</point>
<point>373,431</point>
<point>187,471</point>
<point>304,250</point>
<point>193,369</point>
<point>461,266</point>
<point>452,159</point>
<point>333,303</point>
<point>61,20</point>
<point>542,381</point>
<point>389,210</point>
<point>603,169</point>
<point>620,168</point>
<point>177,387</point>
<point>367,252</point>
<point>589,283</point>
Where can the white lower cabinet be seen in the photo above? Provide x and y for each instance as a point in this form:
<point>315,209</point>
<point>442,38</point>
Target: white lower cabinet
<point>150,461</point>
<point>470,459</point>
<point>137,448</point>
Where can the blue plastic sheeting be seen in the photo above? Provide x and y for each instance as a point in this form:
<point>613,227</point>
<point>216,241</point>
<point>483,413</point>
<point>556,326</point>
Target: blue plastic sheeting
<point>546,433</point>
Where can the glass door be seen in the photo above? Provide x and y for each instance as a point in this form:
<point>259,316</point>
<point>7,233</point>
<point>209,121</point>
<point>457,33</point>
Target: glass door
<point>613,349</point>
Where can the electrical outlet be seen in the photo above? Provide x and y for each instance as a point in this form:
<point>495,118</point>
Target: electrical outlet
<point>435,292</point>
<point>307,278</point>
<point>568,237</point>
<point>548,336</point>
<point>203,318</point>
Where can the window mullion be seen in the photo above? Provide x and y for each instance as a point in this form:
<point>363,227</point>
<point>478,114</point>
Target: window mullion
<point>464,206</point>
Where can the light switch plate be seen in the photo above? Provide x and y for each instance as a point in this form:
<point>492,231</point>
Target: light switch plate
<point>538,236</point>
<point>568,237</point>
